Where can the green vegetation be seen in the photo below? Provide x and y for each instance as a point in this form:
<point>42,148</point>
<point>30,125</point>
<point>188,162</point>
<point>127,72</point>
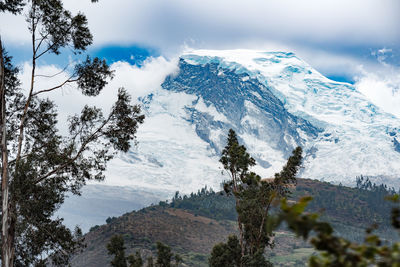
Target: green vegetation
<point>194,236</point>
<point>226,254</point>
<point>335,250</point>
<point>206,203</point>
<point>296,257</point>
<point>254,199</point>
<point>39,165</point>
<point>135,260</point>
<point>349,210</point>
<point>116,247</point>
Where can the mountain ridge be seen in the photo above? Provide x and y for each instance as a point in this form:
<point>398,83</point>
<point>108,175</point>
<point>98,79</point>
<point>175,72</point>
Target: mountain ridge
<point>275,101</point>
<point>186,125</point>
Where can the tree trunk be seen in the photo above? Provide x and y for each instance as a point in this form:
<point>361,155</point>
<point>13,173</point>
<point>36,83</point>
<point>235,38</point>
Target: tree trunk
<point>241,235</point>
<point>7,248</point>
<point>235,190</point>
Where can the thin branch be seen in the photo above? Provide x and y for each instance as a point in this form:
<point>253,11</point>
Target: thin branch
<point>45,51</point>
<point>81,150</point>
<point>41,41</point>
<point>265,215</point>
<point>52,45</point>
<point>21,157</point>
<point>54,75</point>
<point>56,87</point>
<point>44,38</point>
<point>21,126</point>
<point>77,133</point>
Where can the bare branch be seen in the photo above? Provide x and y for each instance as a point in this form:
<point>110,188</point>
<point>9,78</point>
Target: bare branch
<point>70,80</point>
<point>41,41</point>
<point>28,101</point>
<point>43,36</point>
<point>54,75</point>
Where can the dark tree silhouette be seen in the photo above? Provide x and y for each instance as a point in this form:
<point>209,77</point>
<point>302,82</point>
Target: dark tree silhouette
<point>40,165</point>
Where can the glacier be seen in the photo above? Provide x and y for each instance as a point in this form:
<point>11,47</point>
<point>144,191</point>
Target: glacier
<point>274,101</point>
<point>357,137</point>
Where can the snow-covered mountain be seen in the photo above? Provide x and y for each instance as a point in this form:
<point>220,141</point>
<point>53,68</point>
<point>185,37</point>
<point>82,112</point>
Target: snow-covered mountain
<point>274,101</point>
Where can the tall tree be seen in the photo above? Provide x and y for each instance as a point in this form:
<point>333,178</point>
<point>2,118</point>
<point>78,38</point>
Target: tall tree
<point>254,198</point>
<point>164,255</point>
<point>237,162</point>
<point>116,248</point>
<point>39,165</point>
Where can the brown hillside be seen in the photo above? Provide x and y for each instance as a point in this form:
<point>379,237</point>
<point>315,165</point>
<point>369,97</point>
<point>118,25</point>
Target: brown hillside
<point>177,228</point>
<point>176,224</point>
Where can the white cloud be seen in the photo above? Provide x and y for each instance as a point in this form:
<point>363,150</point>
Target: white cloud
<point>384,50</point>
<point>210,23</point>
<point>326,33</point>
<point>138,81</point>
<point>229,23</point>
<point>382,88</point>
<point>144,80</point>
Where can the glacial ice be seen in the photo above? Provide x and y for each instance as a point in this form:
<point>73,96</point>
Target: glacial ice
<point>342,133</point>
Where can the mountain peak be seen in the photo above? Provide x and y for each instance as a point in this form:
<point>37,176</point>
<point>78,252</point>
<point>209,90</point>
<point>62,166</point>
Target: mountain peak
<point>274,101</point>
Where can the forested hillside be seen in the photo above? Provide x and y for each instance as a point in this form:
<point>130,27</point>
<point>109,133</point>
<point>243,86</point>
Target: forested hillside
<point>192,224</point>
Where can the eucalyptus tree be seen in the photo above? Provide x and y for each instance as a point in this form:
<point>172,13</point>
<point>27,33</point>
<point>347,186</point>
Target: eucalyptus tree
<point>39,164</point>
<point>254,198</point>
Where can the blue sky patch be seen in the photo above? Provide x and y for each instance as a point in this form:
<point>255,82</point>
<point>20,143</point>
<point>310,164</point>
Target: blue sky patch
<point>343,79</point>
<point>134,55</point>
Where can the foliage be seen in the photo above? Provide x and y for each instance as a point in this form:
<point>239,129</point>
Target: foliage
<point>117,248</point>
<point>12,6</point>
<point>164,255</point>
<point>206,203</point>
<point>226,254</point>
<point>94,228</point>
<point>39,164</point>
<point>348,209</point>
<point>110,219</point>
<point>135,260</point>
<point>194,240</point>
<point>357,206</point>
<point>253,198</point>
<point>150,262</point>
<point>337,251</point>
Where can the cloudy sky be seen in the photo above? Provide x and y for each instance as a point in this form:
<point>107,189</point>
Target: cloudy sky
<point>356,41</point>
